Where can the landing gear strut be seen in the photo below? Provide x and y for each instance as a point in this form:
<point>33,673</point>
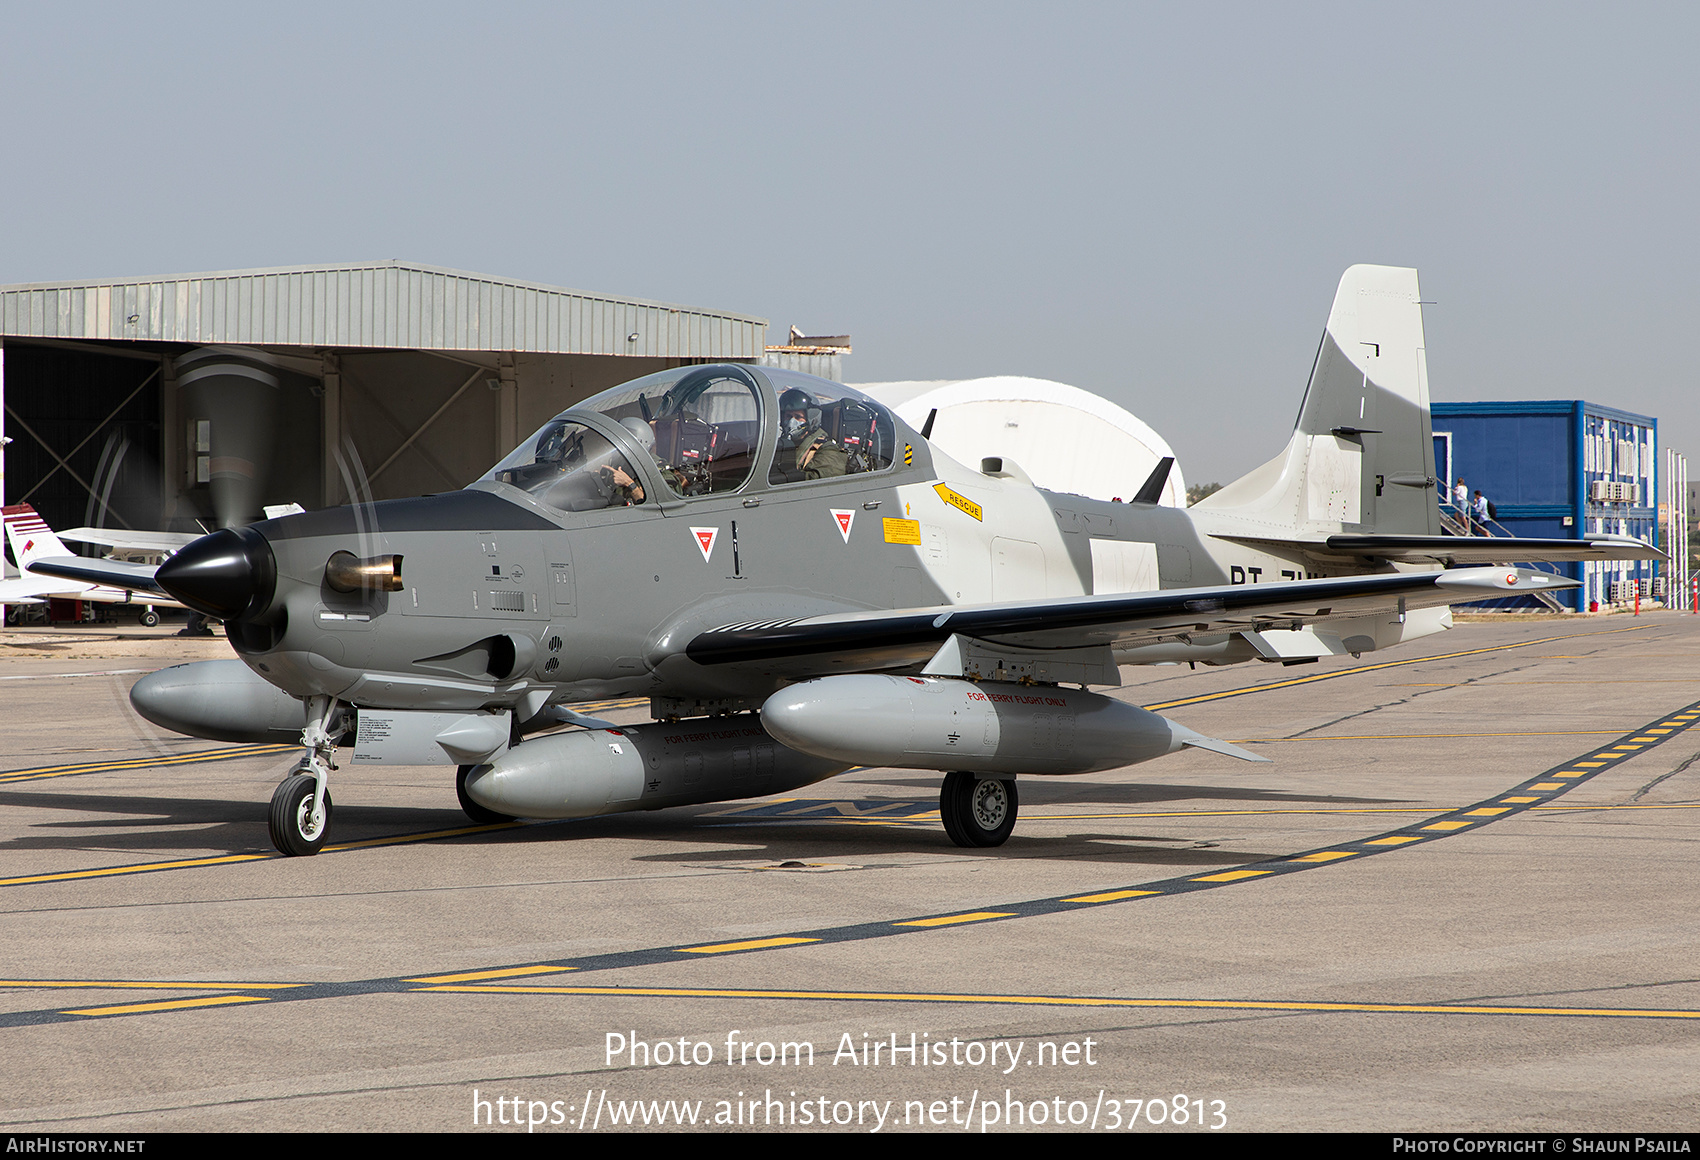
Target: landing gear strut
<point>301,806</point>
<point>977,811</point>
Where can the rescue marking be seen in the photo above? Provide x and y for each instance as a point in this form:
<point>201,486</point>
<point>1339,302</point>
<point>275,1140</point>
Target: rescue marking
<point>960,502</point>
<point>842,518</point>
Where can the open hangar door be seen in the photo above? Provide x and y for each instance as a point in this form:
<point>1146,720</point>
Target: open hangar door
<point>86,436</point>
<point>188,402</point>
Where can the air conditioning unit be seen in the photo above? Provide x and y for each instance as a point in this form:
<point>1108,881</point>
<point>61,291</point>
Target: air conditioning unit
<point>1616,491</point>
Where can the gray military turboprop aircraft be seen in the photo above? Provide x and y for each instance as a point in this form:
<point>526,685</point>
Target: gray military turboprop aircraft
<point>800,584</point>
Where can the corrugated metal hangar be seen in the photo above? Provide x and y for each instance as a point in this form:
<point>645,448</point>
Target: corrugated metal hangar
<point>196,399</point>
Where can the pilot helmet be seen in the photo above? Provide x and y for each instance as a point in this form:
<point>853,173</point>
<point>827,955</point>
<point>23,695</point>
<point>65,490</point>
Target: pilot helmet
<point>792,401</point>
<point>641,431</point>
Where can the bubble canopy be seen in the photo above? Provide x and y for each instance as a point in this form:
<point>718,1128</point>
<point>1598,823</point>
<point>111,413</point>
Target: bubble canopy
<point>703,429</point>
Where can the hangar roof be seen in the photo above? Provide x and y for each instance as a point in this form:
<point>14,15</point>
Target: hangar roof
<point>393,305</point>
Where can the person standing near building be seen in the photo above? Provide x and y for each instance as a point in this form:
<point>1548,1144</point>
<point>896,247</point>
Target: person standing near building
<point>1461,503</point>
<point>1481,510</point>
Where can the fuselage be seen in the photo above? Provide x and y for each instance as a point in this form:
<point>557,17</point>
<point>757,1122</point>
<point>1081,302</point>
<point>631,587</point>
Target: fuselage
<point>505,599</point>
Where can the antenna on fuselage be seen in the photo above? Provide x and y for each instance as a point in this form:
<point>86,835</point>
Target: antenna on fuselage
<point>1152,490</point>
<point>927,427</point>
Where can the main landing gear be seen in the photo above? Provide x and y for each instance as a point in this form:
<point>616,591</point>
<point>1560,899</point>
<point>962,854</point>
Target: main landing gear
<point>301,805</point>
<point>978,811</point>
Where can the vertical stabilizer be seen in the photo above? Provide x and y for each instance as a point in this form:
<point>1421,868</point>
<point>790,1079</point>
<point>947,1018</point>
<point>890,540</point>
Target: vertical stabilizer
<point>1361,458</point>
<point>29,536</point>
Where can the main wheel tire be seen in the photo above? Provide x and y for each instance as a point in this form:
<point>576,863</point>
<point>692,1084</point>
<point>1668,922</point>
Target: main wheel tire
<point>292,828</point>
<point>471,808</point>
<point>978,811</point>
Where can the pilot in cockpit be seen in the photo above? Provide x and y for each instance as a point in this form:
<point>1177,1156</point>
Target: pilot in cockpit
<point>805,450</point>
<point>629,489</point>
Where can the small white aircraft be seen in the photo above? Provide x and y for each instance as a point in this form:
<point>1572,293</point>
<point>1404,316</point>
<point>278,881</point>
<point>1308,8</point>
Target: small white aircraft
<point>31,539</point>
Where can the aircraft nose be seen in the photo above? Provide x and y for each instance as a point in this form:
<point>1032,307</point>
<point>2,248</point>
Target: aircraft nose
<point>229,575</point>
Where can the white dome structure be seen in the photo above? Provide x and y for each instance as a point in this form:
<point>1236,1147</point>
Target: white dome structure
<point>1064,438</point>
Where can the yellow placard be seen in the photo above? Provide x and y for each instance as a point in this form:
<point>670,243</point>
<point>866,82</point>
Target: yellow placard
<point>902,531</point>
<point>959,502</point>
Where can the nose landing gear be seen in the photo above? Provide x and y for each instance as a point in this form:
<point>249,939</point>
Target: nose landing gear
<point>301,805</point>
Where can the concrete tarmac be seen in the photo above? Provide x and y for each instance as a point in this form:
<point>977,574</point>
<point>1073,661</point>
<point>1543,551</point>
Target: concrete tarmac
<point>1461,899</point>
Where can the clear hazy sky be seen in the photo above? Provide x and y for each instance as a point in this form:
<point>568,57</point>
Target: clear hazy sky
<point>1153,202</point>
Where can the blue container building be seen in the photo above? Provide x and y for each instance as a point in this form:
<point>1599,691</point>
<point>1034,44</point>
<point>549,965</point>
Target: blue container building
<point>1559,468</point>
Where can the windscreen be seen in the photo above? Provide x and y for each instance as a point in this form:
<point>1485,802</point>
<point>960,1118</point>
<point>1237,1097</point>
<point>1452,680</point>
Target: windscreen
<point>571,468</point>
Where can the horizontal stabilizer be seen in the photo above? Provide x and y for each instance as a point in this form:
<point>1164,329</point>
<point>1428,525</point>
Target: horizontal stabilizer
<point>1492,549</point>
<point>1460,550</point>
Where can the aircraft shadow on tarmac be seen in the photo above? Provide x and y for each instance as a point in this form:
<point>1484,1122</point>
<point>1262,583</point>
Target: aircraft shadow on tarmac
<point>1075,791</point>
<point>788,829</point>
<point>803,843</point>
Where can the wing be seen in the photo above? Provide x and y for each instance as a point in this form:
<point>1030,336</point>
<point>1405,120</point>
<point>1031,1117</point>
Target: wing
<point>870,640</point>
<point>131,541</point>
<point>115,573</point>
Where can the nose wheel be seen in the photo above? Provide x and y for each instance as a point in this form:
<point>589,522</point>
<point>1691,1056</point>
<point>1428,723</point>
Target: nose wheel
<point>978,811</point>
<point>298,818</point>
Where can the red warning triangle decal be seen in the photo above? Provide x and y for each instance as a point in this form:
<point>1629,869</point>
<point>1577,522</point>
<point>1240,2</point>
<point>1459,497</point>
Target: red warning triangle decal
<point>844,517</point>
<point>705,540</point>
